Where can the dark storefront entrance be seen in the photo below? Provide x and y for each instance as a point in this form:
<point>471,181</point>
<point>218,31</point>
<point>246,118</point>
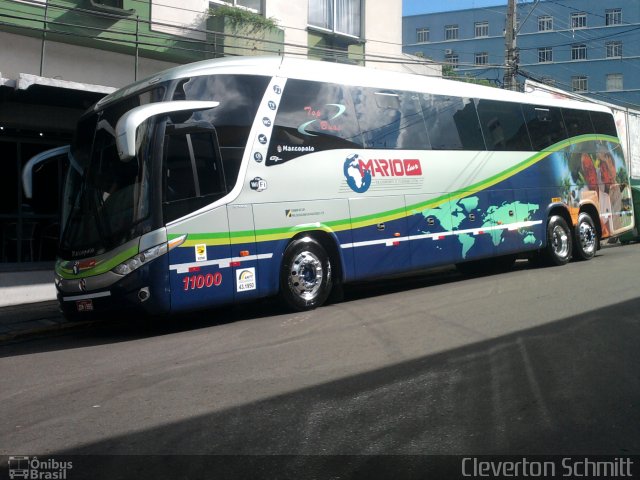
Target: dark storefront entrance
<point>31,121</point>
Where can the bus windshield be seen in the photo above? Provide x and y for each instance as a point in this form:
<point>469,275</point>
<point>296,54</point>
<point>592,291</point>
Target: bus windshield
<point>194,156</point>
<point>106,200</point>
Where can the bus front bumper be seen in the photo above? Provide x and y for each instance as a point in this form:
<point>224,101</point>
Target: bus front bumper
<point>144,290</point>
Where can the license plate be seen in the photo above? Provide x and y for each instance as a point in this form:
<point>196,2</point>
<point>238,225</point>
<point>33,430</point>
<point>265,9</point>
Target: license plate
<point>84,305</point>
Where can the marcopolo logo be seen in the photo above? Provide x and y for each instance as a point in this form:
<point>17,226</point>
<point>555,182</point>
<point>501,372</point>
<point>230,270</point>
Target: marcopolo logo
<point>33,468</point>
<point>359,173</point>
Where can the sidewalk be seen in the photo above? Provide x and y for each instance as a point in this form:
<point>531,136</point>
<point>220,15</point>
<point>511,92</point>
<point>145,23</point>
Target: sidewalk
<point>28,305</point>
<point>18,288</point>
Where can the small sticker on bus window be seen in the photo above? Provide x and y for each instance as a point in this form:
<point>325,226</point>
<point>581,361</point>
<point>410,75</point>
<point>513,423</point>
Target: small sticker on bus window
<point>245,279</point>
<point>201,253</point>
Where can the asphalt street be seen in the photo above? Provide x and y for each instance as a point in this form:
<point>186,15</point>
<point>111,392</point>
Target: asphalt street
<point>537,361</point>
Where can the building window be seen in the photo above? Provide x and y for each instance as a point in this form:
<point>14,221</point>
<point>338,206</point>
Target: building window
<point>545,23</point>
<point>451,32</point>
<point>579,20</point>
<point>451,59</point>
<point>336,16</point>
<point>110,3</point>
<point>578,52</point>
<point>614,82</point>
<point>481,58</point>
<point>253,5</point>
<point>545,55</point>
<point>579,83</point>
<point>614,49</point>
<point>482,29</point>
<point>613,16</point>
<point>422,35</point>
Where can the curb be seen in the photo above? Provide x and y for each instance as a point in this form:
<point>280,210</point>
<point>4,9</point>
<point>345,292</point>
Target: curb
<point>34,332</point>
<point>45,329</point>
<point>18,322</point>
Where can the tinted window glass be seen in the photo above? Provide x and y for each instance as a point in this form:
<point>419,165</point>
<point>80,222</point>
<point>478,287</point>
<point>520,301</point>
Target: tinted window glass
<point>545,125</point>
<point>503,125</point>
<point>604,124</point>
<point>193,174</point>
<point>313,116</point>
<point>578,122</point>
<point>239,97</point>
<point>389,119</point>
<point>452,123</point>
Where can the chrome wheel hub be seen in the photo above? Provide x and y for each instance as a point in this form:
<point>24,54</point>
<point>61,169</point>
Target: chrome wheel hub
<point>587,238</point>
<point>305,277</point>
<point>560,241</point>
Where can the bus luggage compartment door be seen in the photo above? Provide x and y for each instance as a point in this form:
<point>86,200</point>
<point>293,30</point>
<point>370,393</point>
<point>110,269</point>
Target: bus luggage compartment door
<point>380,243</point>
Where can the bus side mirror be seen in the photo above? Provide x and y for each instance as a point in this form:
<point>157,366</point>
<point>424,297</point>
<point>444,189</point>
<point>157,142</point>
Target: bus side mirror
<point>128,124</point>
<point>27,170</point>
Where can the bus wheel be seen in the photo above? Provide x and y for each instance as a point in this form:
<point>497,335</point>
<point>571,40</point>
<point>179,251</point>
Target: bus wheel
<point>305,278</point>
<point>585,238</point>
<point>558,249</point>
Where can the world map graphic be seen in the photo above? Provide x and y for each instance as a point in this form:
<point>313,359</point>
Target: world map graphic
<point>466,214</point>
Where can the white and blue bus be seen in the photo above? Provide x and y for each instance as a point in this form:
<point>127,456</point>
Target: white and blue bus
<point>233,179</point>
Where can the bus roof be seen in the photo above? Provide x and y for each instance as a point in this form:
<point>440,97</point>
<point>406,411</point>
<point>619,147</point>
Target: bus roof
<point>315,70</point>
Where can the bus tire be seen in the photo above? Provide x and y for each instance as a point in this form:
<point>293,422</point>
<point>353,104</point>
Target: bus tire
<point>305,276</point>
<point>559,244</point>
<point>585,238</point>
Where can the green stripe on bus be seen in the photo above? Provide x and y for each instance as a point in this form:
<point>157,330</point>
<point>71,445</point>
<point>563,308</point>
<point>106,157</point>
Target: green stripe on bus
<point>100,268</point>
<point>283,233</point>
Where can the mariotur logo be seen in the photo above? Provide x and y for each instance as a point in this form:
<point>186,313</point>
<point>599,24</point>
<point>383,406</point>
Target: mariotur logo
<point>359,172</point>
<point>392,168</point>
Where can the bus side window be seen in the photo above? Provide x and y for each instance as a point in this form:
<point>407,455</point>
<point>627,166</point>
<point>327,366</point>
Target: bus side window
<point>545,125</point>
<point>578,122</point>
<point>503,125</point>
<point>390,119</point>
<point>452,123</point>
<point>193,173</point>
<point>179,174</point>
<point>604,124</point>
<point>312,117</point>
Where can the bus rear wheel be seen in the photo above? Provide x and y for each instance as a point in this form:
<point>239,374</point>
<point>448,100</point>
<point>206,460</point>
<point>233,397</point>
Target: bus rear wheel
<point>559,243</point>
<point>305,277</point>
<point>585,238</point>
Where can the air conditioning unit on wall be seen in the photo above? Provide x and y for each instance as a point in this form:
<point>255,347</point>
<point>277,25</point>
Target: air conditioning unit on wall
<point>448,51</point>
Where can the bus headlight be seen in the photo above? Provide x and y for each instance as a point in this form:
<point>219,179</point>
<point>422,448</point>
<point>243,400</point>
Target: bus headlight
<point>140,259</point>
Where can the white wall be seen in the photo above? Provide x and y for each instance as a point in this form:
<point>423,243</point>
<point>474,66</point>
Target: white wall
<point>186,13</point>
<point>74,63</point>
<point>20,54</point>
<point>292,17</point>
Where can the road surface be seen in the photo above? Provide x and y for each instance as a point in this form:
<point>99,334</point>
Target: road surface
<point>536,361</point>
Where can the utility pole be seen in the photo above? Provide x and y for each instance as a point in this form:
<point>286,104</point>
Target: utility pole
<point>511,51</point>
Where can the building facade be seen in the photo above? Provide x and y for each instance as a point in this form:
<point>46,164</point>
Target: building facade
<point>58,57</point>
<point>586,46</point>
